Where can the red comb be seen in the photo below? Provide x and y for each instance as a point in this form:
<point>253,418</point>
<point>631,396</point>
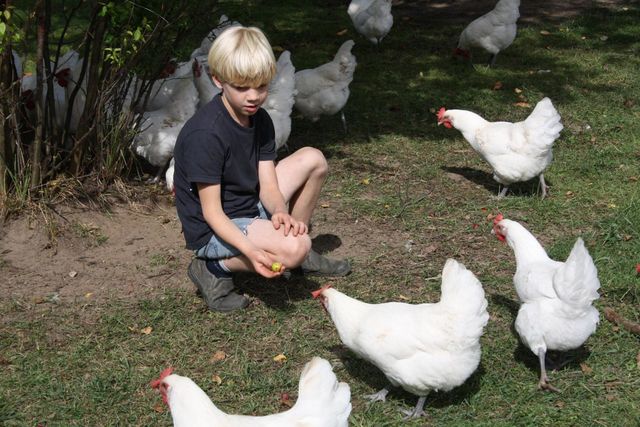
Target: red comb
<point>441,112</point>
<point>164,374</point>
<point>498,218</point>
<point>638,268</point>
<point>316,294</point>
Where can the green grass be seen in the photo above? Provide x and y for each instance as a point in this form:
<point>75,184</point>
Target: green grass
<point>395,170</point>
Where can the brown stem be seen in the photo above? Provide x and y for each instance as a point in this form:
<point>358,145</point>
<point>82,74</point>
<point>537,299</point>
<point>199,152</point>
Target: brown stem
<point>614,317</point>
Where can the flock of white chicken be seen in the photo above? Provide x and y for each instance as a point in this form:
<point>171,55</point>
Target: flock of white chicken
<point>423,347</point>
<point>431,346</point>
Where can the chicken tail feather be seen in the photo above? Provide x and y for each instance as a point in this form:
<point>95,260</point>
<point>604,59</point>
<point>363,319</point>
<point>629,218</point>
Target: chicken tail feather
<point>320,394</point>
<point>576,282</point>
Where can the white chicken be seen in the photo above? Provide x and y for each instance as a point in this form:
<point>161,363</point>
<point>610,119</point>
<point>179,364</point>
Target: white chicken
<point>419,347</point>
<point>206,88</point>
<point>162,91</point>
<point>159,129</point>
<point>517,152</point>
<point>324,90</point>
<point>322,402</point>
<point>67,75</point>
<point>493,31</point>
<point>280,101</point>
<point>371,18</point>
<point>556,311</point>
<point>223,23</point>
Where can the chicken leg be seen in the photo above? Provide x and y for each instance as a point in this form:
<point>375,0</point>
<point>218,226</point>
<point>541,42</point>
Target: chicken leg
<point>418,411</point>
<point>492,60</point>
<point>503,192</point>
<point>544,383</point>
<point>344,121</point>
<point>543,186</point>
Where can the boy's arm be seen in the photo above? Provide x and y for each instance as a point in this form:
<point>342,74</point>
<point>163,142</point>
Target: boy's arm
<point>270,194</point>
<point>225,229</point>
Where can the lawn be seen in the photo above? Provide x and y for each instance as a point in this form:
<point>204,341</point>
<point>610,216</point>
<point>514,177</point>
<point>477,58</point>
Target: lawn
<point>403,195</point>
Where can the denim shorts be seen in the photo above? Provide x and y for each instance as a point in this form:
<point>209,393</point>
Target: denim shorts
<point>219,249</point>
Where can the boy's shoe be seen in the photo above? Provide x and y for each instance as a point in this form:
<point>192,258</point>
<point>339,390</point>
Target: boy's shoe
<point>318,265</point>
<point>218,292</point>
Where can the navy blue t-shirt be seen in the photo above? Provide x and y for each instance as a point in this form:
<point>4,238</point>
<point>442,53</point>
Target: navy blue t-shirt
<point>212,148</point>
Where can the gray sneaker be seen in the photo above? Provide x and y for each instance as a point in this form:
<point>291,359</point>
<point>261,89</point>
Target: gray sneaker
<point>218,292</point>
<point>318,265</point>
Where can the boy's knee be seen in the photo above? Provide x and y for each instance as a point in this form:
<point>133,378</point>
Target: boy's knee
<point>316,160</point>
<point>296,250</point>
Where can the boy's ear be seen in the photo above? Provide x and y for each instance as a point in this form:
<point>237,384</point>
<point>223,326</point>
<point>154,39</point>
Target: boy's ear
<point>217,82</point>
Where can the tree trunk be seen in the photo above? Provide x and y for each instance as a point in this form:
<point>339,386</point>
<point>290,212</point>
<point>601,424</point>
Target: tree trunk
<point>36,154</point>
<point>6,80</point>
<point>87,125</point>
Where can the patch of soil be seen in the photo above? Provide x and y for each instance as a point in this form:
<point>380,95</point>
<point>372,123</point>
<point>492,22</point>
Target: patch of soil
<point>131,251</point>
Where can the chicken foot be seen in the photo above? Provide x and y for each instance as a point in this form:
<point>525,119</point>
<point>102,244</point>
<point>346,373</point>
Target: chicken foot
<point>416,412</point>
<point>380,396</point>
<point>544,383</point>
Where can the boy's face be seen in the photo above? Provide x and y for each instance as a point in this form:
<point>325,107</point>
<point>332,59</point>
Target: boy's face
<point>242,102</point>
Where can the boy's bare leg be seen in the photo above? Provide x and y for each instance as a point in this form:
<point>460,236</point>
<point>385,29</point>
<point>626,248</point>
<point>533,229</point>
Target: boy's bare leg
<point>300,178</point>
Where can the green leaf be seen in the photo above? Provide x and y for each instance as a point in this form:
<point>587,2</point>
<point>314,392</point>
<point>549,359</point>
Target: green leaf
<point>3,29</point>
<point>7,15</point>
<point>137,35</point>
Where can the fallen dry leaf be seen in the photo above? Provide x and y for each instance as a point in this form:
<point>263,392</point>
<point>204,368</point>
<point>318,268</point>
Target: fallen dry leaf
<point>517,90</point>
<point>285,400</point>
<point>281,358</point>
<point>522,104</point>
<point>545,33</point>
<point>342,32</point>
<point>325,205</point>
<point>559,404</point>
<point>216,379</point>
<point>88,294</point>
<point>497,85</point>
<point>586,369</point>
<point>569,193</point>
<point>402,297</point>
<point>73,274</point>
<point>638,359</point>
<point>365,181</point>
<point>146,330</point>
<point>159,408</point>
<point>218,356</point>
<point>610,397</point>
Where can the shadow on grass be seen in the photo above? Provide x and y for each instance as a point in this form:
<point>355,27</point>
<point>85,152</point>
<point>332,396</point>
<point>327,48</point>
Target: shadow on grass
<point>526,189</point>
<point>280,293</point>
<point>367,373</point>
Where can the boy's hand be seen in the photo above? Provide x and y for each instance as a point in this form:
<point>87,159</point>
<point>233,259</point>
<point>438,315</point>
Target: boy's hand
<point>262,264</point>
<point>290,224</point>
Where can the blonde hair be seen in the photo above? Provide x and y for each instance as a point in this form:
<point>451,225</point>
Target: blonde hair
<point>242,56</point>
